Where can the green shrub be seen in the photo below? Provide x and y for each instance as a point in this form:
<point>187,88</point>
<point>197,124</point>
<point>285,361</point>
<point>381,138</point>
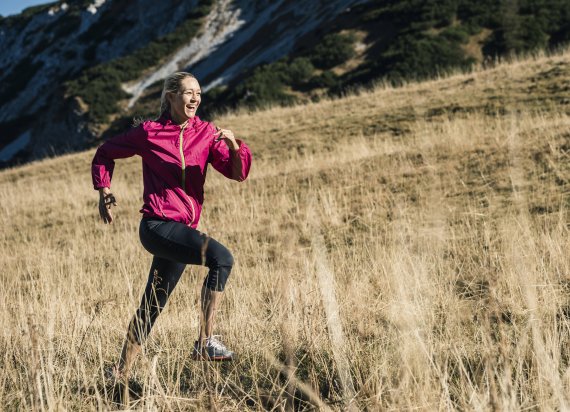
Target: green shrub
<point>326,79</point>
<point>265,86</point>
<point>300,71</point>
<point>215,93</point>
<point>479,13</point>
<point>335,49</point>
<point>422,56</point>
<point>422,13</point>
<point>528,25</point>
<point>532,34</point>
<point>455,34</point>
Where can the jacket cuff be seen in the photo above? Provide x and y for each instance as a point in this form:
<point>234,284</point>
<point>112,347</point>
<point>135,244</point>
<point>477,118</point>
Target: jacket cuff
<point>241,146</point>
<point>101,183</point>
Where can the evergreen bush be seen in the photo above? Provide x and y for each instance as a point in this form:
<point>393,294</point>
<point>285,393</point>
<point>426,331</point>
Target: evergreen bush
<point>335,49</point>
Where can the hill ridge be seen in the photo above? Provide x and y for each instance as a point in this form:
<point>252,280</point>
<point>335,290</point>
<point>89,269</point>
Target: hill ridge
<point>410,102</point>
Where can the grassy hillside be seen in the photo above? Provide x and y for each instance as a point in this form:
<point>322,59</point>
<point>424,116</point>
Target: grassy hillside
<point>398,249</point>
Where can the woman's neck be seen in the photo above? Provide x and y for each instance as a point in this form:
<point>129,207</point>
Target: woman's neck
<point>178,120</point>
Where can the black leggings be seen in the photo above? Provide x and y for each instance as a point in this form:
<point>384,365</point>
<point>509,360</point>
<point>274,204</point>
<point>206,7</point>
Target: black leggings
<point>174,245</point>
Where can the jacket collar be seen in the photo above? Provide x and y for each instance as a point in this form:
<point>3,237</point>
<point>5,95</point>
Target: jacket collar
<point>166,120</point>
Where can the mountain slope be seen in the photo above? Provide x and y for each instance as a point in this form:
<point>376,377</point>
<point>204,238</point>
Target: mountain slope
<point>74,72</point>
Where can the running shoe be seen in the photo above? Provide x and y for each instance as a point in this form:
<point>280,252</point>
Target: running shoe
<point>213,350</point>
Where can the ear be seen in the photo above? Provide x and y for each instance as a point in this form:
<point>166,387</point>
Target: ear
<point>169,97</point>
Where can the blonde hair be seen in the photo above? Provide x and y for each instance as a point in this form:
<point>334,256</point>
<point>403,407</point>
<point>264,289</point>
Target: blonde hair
<point>171,85</point>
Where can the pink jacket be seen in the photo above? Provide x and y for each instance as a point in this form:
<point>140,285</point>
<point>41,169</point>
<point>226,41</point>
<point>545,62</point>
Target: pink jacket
<point>174,160</point>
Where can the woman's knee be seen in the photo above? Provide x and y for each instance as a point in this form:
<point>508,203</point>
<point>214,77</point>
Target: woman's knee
<point>220,269</point>
<point>227,259</point>
<point>221,257</point>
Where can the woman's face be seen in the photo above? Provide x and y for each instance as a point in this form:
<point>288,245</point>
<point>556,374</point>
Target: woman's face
<point>183,105</point>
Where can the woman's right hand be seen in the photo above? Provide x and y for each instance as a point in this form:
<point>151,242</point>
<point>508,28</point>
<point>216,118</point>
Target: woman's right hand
<point>106,200</point>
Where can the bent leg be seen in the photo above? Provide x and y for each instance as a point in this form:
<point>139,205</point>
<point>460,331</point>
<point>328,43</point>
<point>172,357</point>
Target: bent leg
<point>162,279</point>
<point>178,242</point>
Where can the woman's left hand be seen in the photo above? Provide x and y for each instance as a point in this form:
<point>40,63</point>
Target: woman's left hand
<point>228,137</point>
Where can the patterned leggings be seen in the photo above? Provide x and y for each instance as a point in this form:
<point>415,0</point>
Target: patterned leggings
<point>174,245</point>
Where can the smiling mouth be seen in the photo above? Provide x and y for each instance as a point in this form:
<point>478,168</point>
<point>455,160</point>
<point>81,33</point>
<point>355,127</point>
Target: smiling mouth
<point>191,107</point>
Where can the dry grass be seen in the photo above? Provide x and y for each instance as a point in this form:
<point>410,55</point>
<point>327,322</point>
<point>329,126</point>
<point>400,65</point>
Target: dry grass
<point>399,249</point>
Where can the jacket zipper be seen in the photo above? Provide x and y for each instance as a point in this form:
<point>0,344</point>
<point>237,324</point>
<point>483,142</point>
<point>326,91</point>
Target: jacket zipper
<point>183,162</point>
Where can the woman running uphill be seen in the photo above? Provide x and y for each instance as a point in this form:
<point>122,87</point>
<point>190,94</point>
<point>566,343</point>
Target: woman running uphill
<point>175,150</point>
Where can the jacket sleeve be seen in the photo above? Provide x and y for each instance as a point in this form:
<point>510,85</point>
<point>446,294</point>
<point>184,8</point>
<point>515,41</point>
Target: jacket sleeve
<point>120,146</point>
<point>232,164</point>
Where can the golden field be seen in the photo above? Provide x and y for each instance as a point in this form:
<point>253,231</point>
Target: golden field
<point>399,249</point>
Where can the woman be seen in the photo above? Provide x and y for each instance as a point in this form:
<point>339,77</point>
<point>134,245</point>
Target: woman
<point>175,150</point>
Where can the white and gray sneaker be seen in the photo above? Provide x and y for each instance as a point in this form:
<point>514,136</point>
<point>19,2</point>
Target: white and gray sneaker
<point>212,350</point>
